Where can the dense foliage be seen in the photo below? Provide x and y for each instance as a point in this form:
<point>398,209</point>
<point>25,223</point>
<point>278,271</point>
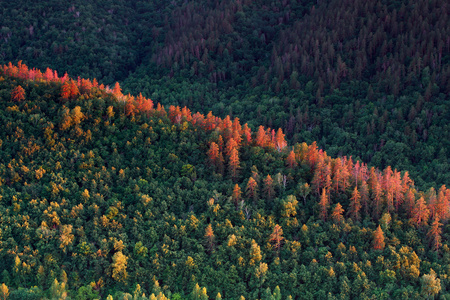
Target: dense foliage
<point>368,79</point>
<point>103,194</point>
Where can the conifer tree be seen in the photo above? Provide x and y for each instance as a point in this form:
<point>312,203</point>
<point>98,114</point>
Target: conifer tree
<point>324,204</point>
<point>355,205</point>
<point>268,187</point>
<point>18,94</point>
<point>378,239</point>
<point>276,237</point>
<point>337,214</point>
<point>234,164</point>
<point>290,160</point>
<point>434,234</point>
<point>236,197</point>
<point>209,236</point>
<point>255,253</point>
<point>251,189</point>
<point>420,213</point>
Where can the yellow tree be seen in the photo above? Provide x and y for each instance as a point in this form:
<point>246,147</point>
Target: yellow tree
<point>255,253</point>
<point>4,292</point>
<point>119,266</point>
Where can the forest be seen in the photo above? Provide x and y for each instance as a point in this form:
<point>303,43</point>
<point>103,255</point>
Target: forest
<point>224,150</point>
<point>367,79</point>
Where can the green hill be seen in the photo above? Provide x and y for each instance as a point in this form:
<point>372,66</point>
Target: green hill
<point>104,194</point>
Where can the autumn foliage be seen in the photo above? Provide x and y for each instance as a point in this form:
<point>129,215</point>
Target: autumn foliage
<point>378,239</point>
<point>18,94</point>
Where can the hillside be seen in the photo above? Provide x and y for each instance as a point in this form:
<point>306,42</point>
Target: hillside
<point>104,194</point>
<point>363,79</point>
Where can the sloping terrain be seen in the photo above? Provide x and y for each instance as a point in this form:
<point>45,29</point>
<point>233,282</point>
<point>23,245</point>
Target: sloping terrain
<point>103,193</point>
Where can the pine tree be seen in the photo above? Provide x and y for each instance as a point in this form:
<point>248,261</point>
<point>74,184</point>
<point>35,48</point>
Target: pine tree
<point>255,253</point>
<point>355,205</point>
<point>18,94</point>
<point>365,197</point>
<point>434,234</point>
<point>261,139</point>
<point>421,213</point>
<point>117,91</point>
<point>231,144</point>
<point>234,164</point>
<point>236,197</point>
<point>251,189</point>
<point>324,204</point>
<point>209,236</point>
<point>290,160</point>
<point>213,153</point>
<point>268,187</point>
<point>378,239</point>
<point>276,238</point>
<point>337,214</point>
<point>280,142</point>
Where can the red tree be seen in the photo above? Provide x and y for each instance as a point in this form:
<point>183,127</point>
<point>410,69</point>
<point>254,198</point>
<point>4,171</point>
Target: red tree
<point>421,212</point>
<point>18,94</point>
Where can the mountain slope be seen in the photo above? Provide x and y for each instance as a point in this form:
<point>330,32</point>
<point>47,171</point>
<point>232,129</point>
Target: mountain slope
<point>363,79</point>
<point>102,191</point>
